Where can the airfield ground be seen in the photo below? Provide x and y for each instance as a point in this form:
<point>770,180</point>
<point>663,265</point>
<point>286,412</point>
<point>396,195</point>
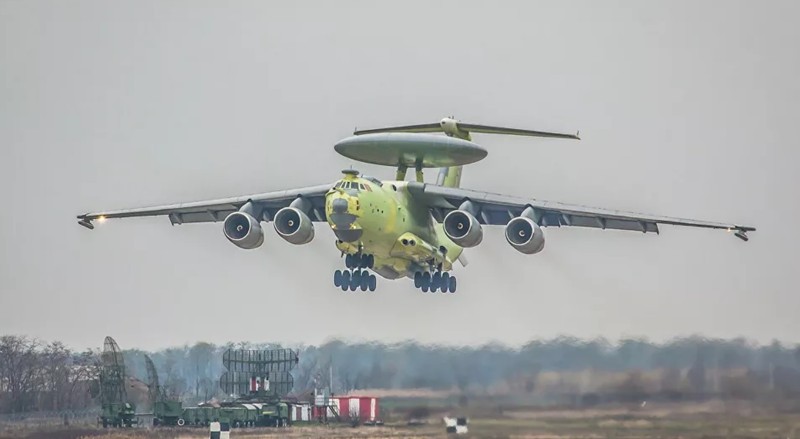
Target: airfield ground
<point>678,421</point>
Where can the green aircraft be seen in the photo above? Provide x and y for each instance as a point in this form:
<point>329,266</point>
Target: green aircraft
<point>400,228</point>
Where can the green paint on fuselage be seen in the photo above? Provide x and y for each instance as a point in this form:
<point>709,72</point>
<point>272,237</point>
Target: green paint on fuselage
<point>390,222</point>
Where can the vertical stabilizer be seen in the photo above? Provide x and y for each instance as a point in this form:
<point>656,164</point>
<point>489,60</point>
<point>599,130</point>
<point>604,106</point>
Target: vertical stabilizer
<point>450,177</point>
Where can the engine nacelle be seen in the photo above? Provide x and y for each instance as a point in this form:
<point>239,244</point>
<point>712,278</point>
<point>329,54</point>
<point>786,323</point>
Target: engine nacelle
<point>243,230</point>
<point>463,228</point>
<point>525,235</point>
<point>294,226</point>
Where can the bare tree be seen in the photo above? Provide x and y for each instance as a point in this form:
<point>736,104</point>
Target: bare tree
<point>174,381</point>
<point>19,370</point>
<point>56,360</point>
<point>200,357</point>
<point>697,374</point>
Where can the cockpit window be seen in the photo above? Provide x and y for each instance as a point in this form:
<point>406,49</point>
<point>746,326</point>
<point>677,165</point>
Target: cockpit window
<point>342,184</point>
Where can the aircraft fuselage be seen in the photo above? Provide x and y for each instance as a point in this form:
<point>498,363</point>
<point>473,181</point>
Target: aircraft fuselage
<point>370,217</point>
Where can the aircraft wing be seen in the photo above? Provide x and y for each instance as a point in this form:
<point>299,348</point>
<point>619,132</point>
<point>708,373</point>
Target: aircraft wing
<point>496,209</point>
<point>216,210</point>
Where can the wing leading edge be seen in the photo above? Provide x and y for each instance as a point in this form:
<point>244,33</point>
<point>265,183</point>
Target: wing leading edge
<point>496,209</point>
<point>216,210</point>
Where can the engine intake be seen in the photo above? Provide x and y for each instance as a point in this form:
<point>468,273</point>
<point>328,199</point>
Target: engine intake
<point>294,226</point>
<point>463,228</point>
<point>243,230</point>
<point>525,235</point>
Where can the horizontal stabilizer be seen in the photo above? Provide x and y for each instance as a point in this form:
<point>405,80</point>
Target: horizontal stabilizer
<point>473,128</point>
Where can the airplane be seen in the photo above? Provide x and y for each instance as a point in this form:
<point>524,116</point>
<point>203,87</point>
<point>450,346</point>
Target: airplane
<point>404,229</point>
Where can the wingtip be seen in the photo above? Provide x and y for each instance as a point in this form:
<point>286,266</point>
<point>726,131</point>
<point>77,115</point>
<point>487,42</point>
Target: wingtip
<point>86,223</point>
<point>741,232</point>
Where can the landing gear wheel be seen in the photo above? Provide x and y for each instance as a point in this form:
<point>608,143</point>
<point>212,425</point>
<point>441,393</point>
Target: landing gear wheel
<point>417,279</point>
<point>363,261</point>
<point>348,261</point>
<point>370,261</point>
<point>445,282</point>
<point>373,282</point>
<point>436,280</point>
<point>355,280</point>
<point>425,282</point>
<point>346,276</point>
<point>337,278</point>
<point>364,281</point>
<point>452,284</point>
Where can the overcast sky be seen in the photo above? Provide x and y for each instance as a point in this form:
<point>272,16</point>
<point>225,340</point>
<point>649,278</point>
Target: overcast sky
<point>685,108</point>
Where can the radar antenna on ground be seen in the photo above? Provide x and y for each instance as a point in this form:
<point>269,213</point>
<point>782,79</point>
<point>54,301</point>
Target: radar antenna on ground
<point>154,391</point>
<point>258,374</point>
<point>165,411</point>
<point>117,411</point>
<point>112,374</point>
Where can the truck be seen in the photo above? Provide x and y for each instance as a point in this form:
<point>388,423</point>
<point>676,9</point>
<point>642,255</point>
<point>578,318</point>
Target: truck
<point>118,414</point>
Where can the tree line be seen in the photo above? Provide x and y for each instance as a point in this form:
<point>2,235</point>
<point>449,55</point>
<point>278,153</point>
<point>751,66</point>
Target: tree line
<point>35,375</point>
<point>43,376</point>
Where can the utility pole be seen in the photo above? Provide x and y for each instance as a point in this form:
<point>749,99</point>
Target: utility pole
<point>330,371</point>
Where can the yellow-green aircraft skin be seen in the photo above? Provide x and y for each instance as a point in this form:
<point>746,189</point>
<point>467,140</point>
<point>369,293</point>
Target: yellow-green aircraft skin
<point>384,220</point>
<point>404,229</point>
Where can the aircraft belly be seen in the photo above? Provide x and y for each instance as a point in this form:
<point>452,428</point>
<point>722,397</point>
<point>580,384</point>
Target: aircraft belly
<point>388,224</point>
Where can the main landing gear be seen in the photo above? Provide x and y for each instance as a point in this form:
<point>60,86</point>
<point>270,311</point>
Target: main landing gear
<point>358,278</point>
<point>441,281</point>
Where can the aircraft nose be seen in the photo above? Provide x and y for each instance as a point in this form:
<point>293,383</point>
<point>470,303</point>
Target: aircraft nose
<point>339,205</point>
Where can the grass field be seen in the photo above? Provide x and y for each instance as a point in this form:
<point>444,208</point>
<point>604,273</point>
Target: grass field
<point>515,425</point>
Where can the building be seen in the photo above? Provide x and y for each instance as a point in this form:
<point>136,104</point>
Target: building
<point>365,409</point>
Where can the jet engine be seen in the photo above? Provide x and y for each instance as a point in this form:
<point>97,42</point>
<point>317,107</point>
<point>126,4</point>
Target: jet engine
<point>525,235</point>
<point>243,230</point>
<point>463,228</point>
<point>294,226</point>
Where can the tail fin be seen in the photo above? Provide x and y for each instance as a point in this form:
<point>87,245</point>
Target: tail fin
<point>450,177</point>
